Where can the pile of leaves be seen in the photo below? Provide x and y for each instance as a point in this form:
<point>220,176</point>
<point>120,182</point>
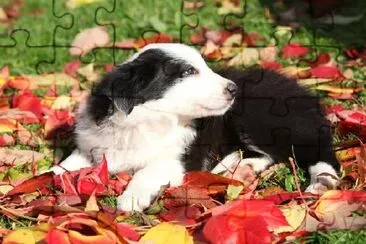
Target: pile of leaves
<point>37,114</point>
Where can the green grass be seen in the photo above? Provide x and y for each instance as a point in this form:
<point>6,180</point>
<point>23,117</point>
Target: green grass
<point>29,49</point>
<point>29,46</point>
<point>335,237</point>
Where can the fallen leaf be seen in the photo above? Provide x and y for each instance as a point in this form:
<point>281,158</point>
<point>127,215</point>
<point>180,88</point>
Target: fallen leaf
<point>62,102</point>
<point>71,68</point>
<point>268,54</point>
<point>334,89</point>
<point>187,195</point>
<point>233,192</point>
<point>322,59</point>
<point>184,215</point>
<point>247,57</point>
<point>88,72</point>
<point>88,39</point>
<point>294,50</point>
<point>21,83</point>
<point>76,3</point>
<point>156,38</point>
<point>28,102</point>
<point>25,117</point>
<point>244,221</point>
<point>295,215</point>
<point>33,184</point>
<point>326,72</point>
<point>167,233</point>
<point>17,156</point>
<point>60,79</point>
<point>271,65</point>
<point>193,5</point>
<point>126,44</point>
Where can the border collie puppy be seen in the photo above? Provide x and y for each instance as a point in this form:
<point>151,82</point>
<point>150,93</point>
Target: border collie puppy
<point>164,112</point>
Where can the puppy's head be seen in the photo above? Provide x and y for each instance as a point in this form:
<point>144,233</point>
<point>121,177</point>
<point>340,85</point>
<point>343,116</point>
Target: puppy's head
<point>168,78</point>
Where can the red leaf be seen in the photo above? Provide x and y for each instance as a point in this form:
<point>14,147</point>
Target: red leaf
<point>212,182</point>
<point>125,230</point>
<point>244,221</point>
<point>28,102</point>
<point>157,38</point>
<point>352,121</point>
<point>294,50</point>
<point>326,72</point>
<point>218,36</point>
<point>231,229</point>
<point>108,67</point>
<point>6,140</point>
<point>67,184</point>
<point>72,67</point>
<point>58,121</point>
<point>334,108</point>
<point>187,195</point>
<point>33,184</point>
<point>21,83</point>
<point>126,44</point>
<point>185,215</point>
<point>271,65</point>
<point>344,96</point>
<point>55,236</point>
<point>102,171</point>
<point>250,38</point>
<point>322,58</point>
<point>4,72</point>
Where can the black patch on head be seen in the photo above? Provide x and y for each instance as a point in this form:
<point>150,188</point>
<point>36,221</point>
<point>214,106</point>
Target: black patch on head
<point>145,78</point>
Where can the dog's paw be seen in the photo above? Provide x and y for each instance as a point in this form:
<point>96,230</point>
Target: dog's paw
<point>132,200</point>
<point>323,183</point>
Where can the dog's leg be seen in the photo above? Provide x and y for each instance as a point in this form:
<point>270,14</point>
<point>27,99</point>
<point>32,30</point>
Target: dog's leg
<point>233,160</point>
<point>73,162</point>
<point>322,178</point>
<point>147,182</point>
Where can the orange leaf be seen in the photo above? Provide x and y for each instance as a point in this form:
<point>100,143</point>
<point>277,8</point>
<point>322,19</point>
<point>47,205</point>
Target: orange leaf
<point>33,184</point>
<point>337,90</point>
<point>56,236</point>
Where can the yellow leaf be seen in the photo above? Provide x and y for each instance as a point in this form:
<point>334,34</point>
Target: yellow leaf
<point>5,189</point>
<point>294,215</point>
<point>313,81</point>
<point>91,204</point>
<point>27,235</point>
<point>76,3</point>
<point>62,102</point>
<point>60,79</point>
<point>165,233</point>
<point>335,89</point>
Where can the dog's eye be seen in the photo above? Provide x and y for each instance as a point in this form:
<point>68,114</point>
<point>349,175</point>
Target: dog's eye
<point>189,71</point>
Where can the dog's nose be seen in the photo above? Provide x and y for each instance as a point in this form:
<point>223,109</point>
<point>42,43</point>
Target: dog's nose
<point>231,89</point>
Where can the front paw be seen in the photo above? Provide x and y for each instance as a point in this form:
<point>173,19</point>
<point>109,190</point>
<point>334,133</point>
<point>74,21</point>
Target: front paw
<point>134,200</point>
<point>323,183</point>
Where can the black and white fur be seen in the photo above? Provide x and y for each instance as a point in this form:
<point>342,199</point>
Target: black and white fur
<point>164,112</point>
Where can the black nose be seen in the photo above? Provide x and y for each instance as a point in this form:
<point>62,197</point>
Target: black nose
<point>232,89</point>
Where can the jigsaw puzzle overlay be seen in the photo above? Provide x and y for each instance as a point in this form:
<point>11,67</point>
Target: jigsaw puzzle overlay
<point>54,52</point>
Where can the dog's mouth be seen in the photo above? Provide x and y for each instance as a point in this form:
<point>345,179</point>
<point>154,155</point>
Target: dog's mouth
<point>219,108</point>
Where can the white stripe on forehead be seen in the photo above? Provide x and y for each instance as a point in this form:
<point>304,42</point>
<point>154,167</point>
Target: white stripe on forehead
<point>175,50</point>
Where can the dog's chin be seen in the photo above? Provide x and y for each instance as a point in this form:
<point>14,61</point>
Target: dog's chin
<point>215,110</point>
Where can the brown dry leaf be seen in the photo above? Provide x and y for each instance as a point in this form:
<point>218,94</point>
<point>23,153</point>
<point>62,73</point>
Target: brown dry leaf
<point>15,156</point>
<point>88,39</point>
